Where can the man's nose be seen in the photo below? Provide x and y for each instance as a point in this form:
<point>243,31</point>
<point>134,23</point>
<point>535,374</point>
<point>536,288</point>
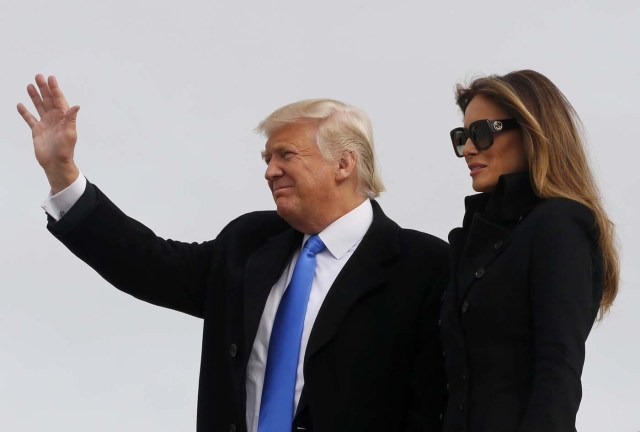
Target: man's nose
<point>273,171</point>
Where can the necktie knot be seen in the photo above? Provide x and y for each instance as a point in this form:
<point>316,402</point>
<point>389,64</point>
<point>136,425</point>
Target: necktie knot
<point>314,245</point>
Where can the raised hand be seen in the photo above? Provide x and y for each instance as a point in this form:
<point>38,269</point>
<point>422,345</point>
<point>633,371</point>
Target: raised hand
<point>54,135</point>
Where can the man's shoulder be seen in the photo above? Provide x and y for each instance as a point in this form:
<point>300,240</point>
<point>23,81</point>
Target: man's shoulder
<point>423,243</point>
<point>256,224</point>
<point>411,241</point>
<point>264,216</point>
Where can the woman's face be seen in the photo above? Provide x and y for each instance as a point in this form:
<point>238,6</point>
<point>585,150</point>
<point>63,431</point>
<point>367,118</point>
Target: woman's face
<point>505,156</point>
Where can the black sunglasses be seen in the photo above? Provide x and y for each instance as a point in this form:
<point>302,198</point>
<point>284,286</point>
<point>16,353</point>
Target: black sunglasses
<point>481,133</point>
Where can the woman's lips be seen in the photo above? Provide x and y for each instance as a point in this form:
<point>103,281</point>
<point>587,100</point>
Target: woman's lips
<point>475,168</point>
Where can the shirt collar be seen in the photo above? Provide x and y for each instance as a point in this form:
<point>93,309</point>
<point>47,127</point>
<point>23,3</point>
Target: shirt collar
<point>347,231</point>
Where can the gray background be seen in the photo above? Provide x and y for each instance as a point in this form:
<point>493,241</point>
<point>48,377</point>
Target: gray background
<point>170,93</point>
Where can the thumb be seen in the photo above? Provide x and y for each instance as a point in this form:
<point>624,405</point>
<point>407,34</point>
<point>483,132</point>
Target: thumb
<point>72,114</point>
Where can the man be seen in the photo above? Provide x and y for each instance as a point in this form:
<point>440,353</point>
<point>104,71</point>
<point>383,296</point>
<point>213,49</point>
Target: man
<point>355,349</point>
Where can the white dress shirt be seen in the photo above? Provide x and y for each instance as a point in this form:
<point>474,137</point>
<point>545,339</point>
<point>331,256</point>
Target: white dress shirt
<point>341,239</point>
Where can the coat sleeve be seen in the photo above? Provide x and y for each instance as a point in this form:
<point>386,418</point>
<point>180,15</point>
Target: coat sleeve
<point>565,288</point>
<point>130,256</point>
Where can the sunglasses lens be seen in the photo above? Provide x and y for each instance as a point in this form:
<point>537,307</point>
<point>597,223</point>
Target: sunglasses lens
<point>458,137</point>
<point>480,135</point>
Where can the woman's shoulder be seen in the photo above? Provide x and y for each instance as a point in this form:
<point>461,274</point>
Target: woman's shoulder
<point>559,213</point>
<point>561,206</point>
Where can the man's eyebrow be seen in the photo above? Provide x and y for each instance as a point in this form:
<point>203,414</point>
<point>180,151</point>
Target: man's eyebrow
<point>275,148</point>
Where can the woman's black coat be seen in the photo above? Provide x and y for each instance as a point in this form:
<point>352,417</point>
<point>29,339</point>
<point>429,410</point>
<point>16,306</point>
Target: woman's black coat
<point>526,285</point>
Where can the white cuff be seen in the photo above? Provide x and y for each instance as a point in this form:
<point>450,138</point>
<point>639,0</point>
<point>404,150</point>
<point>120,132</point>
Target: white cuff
<point>57,205</point>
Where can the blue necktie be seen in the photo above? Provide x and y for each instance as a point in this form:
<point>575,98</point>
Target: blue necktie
<point>278,391</point>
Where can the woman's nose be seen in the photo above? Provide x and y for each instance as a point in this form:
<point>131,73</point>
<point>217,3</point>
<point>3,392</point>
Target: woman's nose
<point>469,148</point>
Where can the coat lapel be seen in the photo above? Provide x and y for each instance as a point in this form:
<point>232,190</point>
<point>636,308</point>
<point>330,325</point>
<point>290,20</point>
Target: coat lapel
<point>262,271</point>
<point>457,238</point>
<point>485,241</point>
<point>363,272</point>
<point>488,222</point>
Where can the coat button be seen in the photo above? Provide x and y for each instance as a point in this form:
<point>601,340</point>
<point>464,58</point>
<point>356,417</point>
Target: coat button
<point>233,351</point>
<point>232,428</point>
<point>464,377</point>
<point>497,245</point>
<point>461,407</point>
<point>465,306</point>
<point>439,322</point>
<point>479,273</point>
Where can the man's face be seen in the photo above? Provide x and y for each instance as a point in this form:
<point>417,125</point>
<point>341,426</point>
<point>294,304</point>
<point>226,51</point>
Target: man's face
<point>301,179</point>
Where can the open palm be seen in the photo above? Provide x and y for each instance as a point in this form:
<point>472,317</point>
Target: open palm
<point>54,135</point>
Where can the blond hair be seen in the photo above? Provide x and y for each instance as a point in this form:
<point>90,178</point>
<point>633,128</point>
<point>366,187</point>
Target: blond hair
<point>552,138</point>
<point>341,128</point>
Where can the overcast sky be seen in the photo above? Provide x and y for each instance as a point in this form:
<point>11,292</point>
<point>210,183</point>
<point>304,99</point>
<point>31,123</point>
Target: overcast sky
<point>170,93</point>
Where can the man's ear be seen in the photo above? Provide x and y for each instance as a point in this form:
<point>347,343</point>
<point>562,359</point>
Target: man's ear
<point>346,165</point>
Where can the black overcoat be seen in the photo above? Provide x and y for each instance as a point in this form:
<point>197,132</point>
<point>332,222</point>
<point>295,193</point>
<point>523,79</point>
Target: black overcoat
<point>373,360</point>
<point>526,285</point>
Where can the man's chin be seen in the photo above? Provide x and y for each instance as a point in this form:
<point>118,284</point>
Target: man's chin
<point>286,211</point>
<point>282,208</point>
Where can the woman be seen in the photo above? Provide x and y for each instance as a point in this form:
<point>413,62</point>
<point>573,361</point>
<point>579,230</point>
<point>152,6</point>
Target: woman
<point>532,265</point>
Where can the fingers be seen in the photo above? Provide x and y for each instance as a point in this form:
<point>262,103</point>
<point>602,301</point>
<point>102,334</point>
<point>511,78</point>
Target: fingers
<point>27,116</point>
<point>72,114</point>
<point>45,92</point>
<point>58,100</point>
<point>36,99</point>
<point>47,97</point>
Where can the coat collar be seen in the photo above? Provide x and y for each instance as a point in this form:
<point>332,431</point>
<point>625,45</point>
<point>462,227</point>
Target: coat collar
<point>363,272</point>
<point>512,198</point>
<point>488,222</point>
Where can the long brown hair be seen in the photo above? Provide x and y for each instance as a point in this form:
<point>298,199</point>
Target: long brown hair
<point>552,138</point>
